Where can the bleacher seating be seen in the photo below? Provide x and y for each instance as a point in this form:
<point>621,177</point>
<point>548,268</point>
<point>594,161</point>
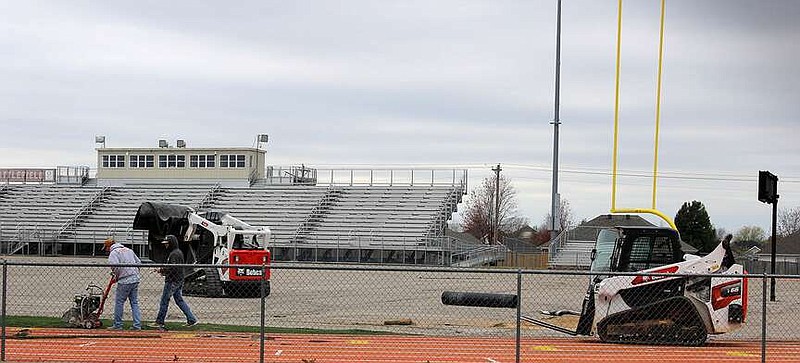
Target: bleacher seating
<point>37,213</point>
<point>383,215</point>
<point>281,208</point>
<point>114,216</point>
<point>299,216</point>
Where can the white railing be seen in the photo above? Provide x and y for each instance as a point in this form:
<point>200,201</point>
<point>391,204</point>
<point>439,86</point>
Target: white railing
<point>357,176</point>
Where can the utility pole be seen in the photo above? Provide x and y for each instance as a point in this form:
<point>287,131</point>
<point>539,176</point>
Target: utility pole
<point>496,229</point>
<point>554,210</point>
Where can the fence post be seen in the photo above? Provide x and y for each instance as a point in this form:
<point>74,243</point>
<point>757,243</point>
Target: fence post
<point>519,313</point>
<point>3,312</point>
<point>764,318</point>
<point>263,311</point>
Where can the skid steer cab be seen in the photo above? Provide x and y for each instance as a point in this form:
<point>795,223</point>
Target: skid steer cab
<point>657,308</point>
<point>210,238</point>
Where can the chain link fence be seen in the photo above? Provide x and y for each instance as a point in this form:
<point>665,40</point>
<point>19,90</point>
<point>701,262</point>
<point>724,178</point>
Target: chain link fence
<point>356,313</point>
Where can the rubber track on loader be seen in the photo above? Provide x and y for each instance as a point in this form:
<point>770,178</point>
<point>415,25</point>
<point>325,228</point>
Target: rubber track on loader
<point>673,321</point>
<point>205,284</point>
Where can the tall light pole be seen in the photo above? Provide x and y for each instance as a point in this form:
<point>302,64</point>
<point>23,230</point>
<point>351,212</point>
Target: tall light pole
<point>554,202</point>
<point>496,229</point>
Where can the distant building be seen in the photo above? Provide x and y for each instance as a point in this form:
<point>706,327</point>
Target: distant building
<point>787,245</point>
<point>230,167</point>
<point>587,231</point>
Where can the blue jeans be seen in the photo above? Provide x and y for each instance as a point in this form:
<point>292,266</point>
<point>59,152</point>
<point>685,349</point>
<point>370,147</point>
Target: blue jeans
<point>175,290</point>
<point>127,292</point>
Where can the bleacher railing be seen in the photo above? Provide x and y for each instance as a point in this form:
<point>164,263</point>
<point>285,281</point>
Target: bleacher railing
<point>362,176</point>
<point>86,207</point>
<point>72,174</point>
<point>209,197</point>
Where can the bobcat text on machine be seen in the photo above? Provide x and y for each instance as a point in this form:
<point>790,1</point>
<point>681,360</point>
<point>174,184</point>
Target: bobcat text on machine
<point>663,309</point>
<point>209,238</point>
<point>657,301</point>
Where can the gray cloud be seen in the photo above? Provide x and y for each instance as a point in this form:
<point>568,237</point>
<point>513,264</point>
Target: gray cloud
<point>417,83</point>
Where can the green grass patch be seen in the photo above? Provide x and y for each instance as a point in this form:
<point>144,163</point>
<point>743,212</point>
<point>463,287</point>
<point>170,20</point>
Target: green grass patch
<point>50,322</point>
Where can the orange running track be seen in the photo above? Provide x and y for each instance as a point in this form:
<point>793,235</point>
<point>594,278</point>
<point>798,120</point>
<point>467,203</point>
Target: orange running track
<point>75,345</point>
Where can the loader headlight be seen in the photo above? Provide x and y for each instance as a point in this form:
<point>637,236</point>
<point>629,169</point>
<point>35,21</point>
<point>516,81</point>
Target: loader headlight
<point>235,258</point>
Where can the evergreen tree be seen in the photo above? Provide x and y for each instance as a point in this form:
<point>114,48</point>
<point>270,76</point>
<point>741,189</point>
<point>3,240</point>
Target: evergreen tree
<point>695,226</point>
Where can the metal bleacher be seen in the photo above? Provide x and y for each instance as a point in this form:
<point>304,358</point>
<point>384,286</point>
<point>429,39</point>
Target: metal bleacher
<point>281,208</point>
<point>381,215</point>
<point>34,217</point>
<point>114,216</point>
<point>305,220</point>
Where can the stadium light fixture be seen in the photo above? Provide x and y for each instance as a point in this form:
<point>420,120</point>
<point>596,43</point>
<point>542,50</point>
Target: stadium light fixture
<point>163,143</point>
<point>180,143</point>
<point>261,139</point>
<point>100,139</point>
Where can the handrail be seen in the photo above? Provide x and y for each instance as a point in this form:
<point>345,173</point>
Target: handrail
<point>556,244</point>
<point>448,206</point>
<point>85,207</point>
<point>23,237</point>
<point>316,211</point>
<point>378,176</point>
<point>210,195</point>
<point>433,228</point>
<point>251,179</point>
<point>482,254</point>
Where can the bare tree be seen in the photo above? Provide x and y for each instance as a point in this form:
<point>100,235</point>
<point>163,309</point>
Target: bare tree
<point>788,221</point>
<point>748,237</point>
<point>565,218</point>
<point>479,214</point>
<point>750,234</point>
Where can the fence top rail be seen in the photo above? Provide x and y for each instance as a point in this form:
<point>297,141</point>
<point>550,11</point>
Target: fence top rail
<point>380,268</point>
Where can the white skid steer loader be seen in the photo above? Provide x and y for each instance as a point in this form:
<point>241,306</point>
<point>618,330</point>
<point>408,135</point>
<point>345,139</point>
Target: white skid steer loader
<point>667,306</point>
<point>210,238</point>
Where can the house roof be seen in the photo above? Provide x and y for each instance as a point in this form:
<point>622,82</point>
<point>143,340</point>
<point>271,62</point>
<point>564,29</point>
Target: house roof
<point>787,245</point>
<point>587,231</point>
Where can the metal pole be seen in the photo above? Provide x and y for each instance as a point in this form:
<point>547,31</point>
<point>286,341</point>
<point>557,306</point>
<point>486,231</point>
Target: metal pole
<point>3,313</point>
<point>519,314</point>
<point>764,318</point>
<point>496,229</point>
<point>772,269</point>
<point>263,311</point>
<point>556,122</point>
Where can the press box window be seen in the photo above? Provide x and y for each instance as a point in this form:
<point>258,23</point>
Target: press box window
<point>113,161</point>
<point>202,161</point>
<point>141,161</point>
<point>172,161</point>
<point>231,161</point>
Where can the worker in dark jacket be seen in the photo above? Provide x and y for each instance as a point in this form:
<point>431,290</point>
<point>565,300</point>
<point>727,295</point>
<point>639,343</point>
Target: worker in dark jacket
<point>173,285</point>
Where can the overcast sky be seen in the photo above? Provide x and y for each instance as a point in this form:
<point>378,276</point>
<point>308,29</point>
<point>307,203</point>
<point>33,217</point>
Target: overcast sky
<point>464,84</point>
